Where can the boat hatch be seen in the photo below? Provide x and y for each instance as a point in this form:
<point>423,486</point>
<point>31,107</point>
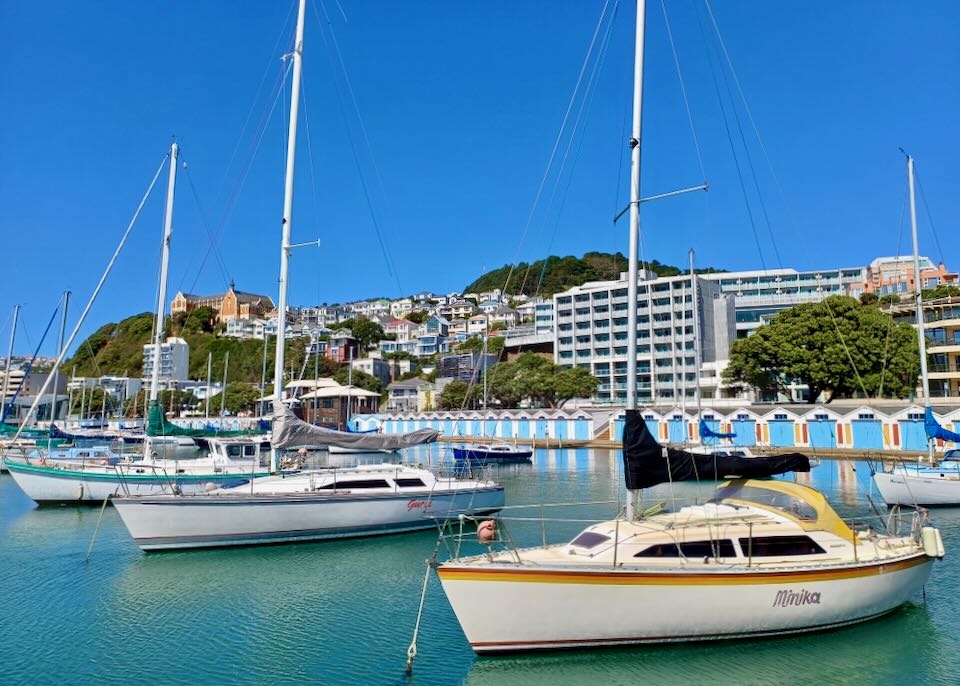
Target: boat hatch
<point>589,539</point>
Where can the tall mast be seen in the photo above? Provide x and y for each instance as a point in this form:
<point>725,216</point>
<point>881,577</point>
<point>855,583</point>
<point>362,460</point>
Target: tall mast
<point>918,296</point>
<point>164,267</point>
<point>63,332</point>
<point>206,402</point>
<point>297,56</point>
<point>349,387</point>
<point>223,394</point>
<point>696,335</point>
<point>6,371</point>
<point>634,227</point>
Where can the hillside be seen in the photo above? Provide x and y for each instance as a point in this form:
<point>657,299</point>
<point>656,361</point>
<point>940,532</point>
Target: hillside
<point>562,273</point>
<point>117,349</point>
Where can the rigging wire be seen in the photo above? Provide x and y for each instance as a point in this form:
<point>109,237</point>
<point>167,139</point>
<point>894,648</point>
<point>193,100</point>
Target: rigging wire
<point>746,107</point>
<point>556,142</point>
<point>926,207</point>
<point>582,113</point>
<point>218,255</point>
<point>890,323</point>
<point>333,48</point>
<point>733,149</point>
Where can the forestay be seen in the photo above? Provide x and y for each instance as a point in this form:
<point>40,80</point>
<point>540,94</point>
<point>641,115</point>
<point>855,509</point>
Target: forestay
<point>292,432</point>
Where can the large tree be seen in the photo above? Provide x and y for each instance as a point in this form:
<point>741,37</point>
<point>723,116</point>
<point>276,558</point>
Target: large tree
<point>838,347</point>
<point>537,379</point>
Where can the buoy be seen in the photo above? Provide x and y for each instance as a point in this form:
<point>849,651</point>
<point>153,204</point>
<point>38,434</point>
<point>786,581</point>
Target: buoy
<point>487,531</point>
<point>210,486</point>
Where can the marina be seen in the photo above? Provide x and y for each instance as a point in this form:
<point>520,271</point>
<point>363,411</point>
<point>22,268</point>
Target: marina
<point>342,612</point>
<point>571,470</point>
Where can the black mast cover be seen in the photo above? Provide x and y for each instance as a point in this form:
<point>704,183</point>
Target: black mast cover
<point>647,463</point>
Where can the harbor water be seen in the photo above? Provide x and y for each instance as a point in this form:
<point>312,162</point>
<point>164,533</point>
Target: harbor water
<point>343,612</point>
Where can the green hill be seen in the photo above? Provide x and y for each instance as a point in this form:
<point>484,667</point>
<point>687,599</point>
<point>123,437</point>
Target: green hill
<point>562,273</point>
<point>117,349</point>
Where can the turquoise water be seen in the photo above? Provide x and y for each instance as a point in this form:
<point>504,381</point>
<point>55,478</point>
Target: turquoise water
<point>343,612</point>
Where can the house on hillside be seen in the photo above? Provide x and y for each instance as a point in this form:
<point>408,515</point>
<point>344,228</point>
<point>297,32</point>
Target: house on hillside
<point>233,304</point>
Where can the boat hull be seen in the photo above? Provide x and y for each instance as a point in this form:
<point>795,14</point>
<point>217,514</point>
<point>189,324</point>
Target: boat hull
<point>491,457</point>
<point>516,608</point>
<point>901,489</point>
<point>207,521</point>
<point>51,485</point>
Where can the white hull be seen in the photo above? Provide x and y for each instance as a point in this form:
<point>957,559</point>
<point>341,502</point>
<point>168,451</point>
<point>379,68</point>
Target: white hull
<point>509,608</point>
<point>900,489</point>
<point>48,485</point>
<point>225,520</point>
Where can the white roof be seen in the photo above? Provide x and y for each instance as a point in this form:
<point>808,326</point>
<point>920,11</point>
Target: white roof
<point>313,383</point>
<point>339,392</point>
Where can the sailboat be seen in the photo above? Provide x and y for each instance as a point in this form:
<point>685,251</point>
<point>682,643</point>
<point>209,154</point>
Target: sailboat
<point>762,557</point>
<point>162,469</point>
<point>310,505</point>
<point>932,483</point>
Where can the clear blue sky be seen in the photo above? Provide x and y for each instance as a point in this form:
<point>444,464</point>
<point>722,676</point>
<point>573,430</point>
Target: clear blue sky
<point>461,103</point>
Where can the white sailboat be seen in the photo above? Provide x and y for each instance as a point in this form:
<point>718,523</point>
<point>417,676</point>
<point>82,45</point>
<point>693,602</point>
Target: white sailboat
<point>311,505</point>
<point>763,557</point>
<point>933,483</point>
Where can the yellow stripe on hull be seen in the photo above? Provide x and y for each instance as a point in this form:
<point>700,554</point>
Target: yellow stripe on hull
<point>447,573</point>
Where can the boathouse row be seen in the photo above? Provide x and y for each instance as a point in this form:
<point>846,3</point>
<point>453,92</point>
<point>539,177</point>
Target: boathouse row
<point>891,427</point>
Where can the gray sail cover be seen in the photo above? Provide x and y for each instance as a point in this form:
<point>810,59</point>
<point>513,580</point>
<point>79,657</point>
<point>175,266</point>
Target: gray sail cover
<point>292,432</point>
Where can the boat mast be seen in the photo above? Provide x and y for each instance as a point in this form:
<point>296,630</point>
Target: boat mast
<point>696,336</point>
<point>297,56</point>
<point>206,400</point>
<point>918,297</point>
<point>63,333</point>
<point>349,389</point>
<point>634,228</point>
<point>162,291</point>
<point>6,371</point>
<point>223,394</point>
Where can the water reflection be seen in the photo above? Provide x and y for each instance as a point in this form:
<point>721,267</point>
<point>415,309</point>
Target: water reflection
<point>342,612</point>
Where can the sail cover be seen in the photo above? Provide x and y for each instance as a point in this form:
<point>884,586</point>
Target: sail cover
<point>292,432</point>
<point>707,432</point>
<point>647,463</point>
<point>934,430</point>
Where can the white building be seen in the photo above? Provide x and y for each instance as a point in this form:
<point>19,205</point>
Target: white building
<point>543,317</point>
<point>174,360</point>
<point>591,332</point>
<point>374,366</point>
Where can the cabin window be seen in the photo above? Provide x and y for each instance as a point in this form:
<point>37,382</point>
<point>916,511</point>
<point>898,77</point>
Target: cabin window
<point>234,450</point>
<point>355,484</point>
<point>720,548</point>
<point>250,450</point>
<point>589,539</point>
<point>778,546</point>
<point>409,483</point>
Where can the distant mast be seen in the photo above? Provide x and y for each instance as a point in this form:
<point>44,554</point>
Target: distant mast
<point>632,274</point>
<point>6,371</point>
<point>918,298</point>
<point>297,56</point>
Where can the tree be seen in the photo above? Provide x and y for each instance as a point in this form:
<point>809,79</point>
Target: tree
<point>944,290</point>
<point>574,382</point>
<point>869,298</point>
<point>536,378</point>
<point>418,317</point>
<point>838,347</point>
<point>359,379</point>
<point>453,396</point>
<point>238,397</point>
<point>366,331</point>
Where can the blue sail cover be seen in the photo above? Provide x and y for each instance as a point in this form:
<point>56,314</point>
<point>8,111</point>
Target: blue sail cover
<point>934,430</point>
<point>707,432</point>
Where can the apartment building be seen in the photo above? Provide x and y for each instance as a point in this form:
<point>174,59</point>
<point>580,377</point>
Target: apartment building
<point>174,360</point>
<point>591,332</point>
<point>942,331</point>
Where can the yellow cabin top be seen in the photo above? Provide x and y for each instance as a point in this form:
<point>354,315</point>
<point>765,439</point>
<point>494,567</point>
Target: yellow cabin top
<point>804,505</point>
